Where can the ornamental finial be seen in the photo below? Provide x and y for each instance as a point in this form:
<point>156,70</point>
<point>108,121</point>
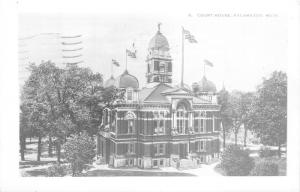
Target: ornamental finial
<point>158,26</point>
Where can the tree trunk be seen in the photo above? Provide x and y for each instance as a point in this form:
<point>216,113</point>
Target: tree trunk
<point>24,143</point>
<point>245,136</point>
<point>39,148</point>
<point>58,146</point>
<point>22,150</point>
<point>224,138</point>
<point>279,150</point>
<point>235,136</point>
<point>50,147</point>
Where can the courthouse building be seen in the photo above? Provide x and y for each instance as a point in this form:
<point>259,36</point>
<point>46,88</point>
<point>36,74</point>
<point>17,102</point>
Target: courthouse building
<point>160,124</point>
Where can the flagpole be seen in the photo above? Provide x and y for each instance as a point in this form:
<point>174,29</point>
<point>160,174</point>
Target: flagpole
<point>111,68</point>
<point>182,72</point>
<point>203,69</point>
<point>126,60</point>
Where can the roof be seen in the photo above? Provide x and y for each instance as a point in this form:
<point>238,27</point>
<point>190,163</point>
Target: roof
<point>159,41</point>
<point>154,94</point>
<point>126,80</point>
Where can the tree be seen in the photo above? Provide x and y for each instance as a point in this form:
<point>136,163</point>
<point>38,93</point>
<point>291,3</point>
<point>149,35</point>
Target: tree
<point>236,112</point>
<point>225,113</point>
<point>236,162</point>
<point>79,151</point>
<point>269,113</point>
<point>247,100</point>
<point>72,99</point>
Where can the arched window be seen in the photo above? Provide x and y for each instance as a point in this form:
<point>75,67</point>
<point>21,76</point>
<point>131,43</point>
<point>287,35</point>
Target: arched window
<point>130,117</point>
<point>159,123</point>
<point>180,119</point>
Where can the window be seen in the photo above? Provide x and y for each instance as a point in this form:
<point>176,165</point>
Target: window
<point>180,122</point>
<point>161,162</point>
<point>162,68</point>
<point>130,162</point>
<point>202,125</point>
<point>159,123</point>
<point>196,125</point>
<point>155,163</point>
<point>131,148</point>
<point>200,146</point>
<point>129,95</point>
<point>159,149</point>
<point>140,162</point>
<point>169,67</point>
<point>156,65</point>
<point>130,126</point>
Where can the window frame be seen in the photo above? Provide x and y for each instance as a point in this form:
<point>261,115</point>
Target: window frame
<point>159,147</point>
<point>131,148</point>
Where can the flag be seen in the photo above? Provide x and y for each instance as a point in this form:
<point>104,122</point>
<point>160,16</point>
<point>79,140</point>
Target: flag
<point>131,53</point>
<point>116,63</point>
<point>189,36</point>
<point>208,63</point>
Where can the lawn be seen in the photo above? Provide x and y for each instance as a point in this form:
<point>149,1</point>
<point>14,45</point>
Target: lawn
<point>280,161</point>
<point>101,173</point>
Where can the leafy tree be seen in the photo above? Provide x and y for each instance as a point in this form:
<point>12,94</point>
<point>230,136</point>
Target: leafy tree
<point>236,162</point>
<point>269,114</point>
<point>247,100</point>
<point>79,151</point>
<point>236,112</point>
<point>39,95</point>
<point>72,100</point>
<point>225,112</point>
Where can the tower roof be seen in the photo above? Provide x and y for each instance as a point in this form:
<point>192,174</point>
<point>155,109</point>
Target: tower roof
<point>159,41</point>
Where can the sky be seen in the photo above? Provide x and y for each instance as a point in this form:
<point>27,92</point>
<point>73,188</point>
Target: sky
<point>243,49</point>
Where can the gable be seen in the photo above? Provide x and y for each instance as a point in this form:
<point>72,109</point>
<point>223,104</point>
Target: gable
<point>156,96</point>
<point>177,91</point>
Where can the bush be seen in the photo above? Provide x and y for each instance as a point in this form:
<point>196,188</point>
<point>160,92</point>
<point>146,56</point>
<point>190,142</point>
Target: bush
<point>57,170</point>
<point>79,151</point>
<point>266,152</point>
<point>265,168</point>
<point>236,162</point>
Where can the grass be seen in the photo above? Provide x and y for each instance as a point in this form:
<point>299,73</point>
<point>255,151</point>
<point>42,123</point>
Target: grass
<point>280,161</point>
<point>104,173</point>
<point>35,173</point>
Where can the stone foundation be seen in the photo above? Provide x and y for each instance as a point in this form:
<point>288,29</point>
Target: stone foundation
<point>173,161</point>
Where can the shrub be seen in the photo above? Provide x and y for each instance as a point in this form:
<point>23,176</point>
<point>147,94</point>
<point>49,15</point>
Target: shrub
<point>236,162</point>
<point>79,151</point>
<point>265,168</point>
<point>266,152</point>
<point>57,170</point>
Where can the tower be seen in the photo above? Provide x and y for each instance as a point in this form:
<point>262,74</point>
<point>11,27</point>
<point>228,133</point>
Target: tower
<point>159,61</point>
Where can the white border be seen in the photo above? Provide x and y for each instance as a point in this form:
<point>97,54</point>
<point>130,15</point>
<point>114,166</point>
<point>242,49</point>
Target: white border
<point>10,179</point>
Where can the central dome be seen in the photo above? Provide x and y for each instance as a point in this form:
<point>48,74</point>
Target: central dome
<point>159,41</point>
